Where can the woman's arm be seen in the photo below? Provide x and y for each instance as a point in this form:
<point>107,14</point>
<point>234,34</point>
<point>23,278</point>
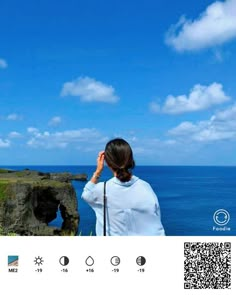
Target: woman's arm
<point>100,166</point>
<point>88,192</point>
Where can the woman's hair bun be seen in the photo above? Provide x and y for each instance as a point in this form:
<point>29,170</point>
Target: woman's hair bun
<point>123,174</point>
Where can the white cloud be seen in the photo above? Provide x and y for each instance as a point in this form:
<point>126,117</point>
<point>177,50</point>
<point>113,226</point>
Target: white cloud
<point>55,121</point>
<point>221,126</point>
<point>13,117</point>
<point>88,89</point>
<point>65,138</point>
<point>3,64</point>
<point>4,143</point>
<point>148,145</point>
<point>200,98</point>
<point>215,26</point>
<point>32,130</point>
<point>183,129</point>
<point>14,134</point>
<point>226,115</point>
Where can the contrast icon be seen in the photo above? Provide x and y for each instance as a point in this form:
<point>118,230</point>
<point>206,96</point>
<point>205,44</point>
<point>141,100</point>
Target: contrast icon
<point>115,260</point>
<point>221,217</point>
<point>141,260</point>
<point>64,260</point>
<point>38,261</point>
<point>89,261</point>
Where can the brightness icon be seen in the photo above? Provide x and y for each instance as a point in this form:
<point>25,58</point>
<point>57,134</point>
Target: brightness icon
<point>38,261</point>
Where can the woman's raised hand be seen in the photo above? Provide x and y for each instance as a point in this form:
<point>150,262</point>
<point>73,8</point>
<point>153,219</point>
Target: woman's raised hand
<point>100,162</point>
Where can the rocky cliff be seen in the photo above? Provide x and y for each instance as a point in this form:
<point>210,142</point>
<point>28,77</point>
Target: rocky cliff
<point>29,200</point>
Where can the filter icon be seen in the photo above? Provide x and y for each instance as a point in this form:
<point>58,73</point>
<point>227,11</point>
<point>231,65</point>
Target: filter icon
<point>13,261</point>
<point>141,260</point>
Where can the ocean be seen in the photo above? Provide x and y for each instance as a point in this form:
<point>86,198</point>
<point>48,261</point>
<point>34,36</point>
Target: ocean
<point>188,196</point>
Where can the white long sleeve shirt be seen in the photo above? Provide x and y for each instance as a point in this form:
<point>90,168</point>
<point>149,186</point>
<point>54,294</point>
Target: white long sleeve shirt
<point>132,207</point>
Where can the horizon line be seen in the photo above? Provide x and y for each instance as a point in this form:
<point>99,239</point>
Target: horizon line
<point>141,165</point>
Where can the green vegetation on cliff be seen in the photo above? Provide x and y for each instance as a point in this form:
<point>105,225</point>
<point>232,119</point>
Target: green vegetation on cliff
<point>30,200</point>
<point>4,182</point>
<point>3,170</point>
<point>3,189</point>
<point>4,233</point>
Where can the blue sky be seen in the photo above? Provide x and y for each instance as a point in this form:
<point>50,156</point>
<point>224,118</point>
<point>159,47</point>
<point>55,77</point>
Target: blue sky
<point>75,74</point>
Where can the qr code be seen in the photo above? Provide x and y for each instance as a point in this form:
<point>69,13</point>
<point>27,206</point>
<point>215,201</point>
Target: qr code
<point>207,265</point>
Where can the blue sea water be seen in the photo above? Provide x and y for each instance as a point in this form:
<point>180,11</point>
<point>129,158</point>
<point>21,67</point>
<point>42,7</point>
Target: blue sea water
<point>188,196</point>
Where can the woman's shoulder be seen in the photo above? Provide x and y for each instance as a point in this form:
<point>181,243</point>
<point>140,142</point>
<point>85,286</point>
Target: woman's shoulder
<point>143,183</point>
<point>134,181</point>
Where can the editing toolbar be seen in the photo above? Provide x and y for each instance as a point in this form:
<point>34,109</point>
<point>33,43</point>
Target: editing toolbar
<point>38,263</point>
<point>125,265</point>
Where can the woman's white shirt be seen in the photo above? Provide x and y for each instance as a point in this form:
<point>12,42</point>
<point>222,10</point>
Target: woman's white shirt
<point>132,207</point>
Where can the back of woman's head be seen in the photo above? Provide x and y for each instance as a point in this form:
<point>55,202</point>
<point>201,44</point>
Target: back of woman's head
<point>119,157</point>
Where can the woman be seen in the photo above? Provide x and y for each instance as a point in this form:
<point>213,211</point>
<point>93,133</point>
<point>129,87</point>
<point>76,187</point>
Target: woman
<point>132,207</point>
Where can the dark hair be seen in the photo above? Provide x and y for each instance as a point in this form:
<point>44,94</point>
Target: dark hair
<point>119,157</point>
